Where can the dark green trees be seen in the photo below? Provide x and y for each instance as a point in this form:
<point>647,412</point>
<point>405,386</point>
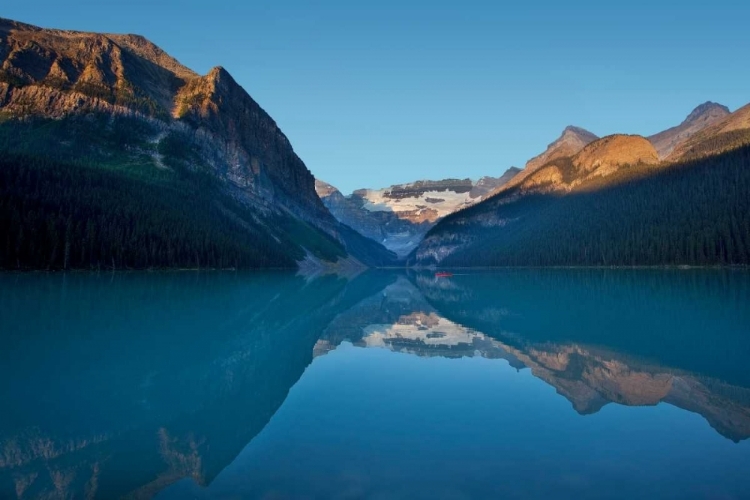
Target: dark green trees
<point>56,215</point>
<point>695,213</point>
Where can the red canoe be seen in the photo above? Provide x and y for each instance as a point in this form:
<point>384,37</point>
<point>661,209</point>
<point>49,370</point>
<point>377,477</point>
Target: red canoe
<point>443,274</point>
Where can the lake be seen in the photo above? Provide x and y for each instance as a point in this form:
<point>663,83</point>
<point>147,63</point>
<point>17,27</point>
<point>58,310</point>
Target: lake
<point>553,383</point>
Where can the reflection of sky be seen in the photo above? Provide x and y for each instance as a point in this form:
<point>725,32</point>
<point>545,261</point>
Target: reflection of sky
<point>377,424</point>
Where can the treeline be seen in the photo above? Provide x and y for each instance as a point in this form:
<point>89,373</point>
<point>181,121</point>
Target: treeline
<point>56,215</point>
<point>726,141</point>
<point>695,213</point>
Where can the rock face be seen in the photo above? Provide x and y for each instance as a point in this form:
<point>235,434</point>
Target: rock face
<point>607,154</point>
<point>48,74</point>
<point>400,215</point>
<point>571,141</point>
<point>600,158</point>
<point>487,185</point>
<point>722,135</point>
<point>701,117</point>
<point>53,73</point>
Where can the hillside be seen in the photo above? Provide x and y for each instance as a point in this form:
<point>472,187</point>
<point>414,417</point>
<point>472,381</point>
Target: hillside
<point>729,133</point>
<point>693,213</point>
<point>700,118</point>
<point>117,111</point>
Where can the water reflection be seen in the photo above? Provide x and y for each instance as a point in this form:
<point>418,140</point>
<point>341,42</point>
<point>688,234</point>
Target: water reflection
<point>122,384</point>
<point>133,385</point>
<point>659,315</point>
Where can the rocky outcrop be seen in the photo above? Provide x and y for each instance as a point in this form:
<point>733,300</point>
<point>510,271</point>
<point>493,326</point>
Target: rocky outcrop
<point>731,132</point>
<point>96,69</point>
<point>487,185</point>
<point>600,158</point>
<point>577,156</point>
<point>701,117</point>
<point>609,153</point>
<point>571,141</point>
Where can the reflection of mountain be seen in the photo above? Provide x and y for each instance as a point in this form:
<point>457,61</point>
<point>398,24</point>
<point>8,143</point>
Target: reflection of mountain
<point>590,378</point>
<point>131,382</point>
<point>469,317</point>
<point>122,388</point>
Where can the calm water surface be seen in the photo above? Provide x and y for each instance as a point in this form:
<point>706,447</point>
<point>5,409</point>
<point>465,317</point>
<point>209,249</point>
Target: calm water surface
<point>512,384</point>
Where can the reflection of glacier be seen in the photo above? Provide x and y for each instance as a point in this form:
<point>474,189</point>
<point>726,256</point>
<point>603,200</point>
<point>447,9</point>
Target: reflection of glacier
<point>202,363</point>
<point>400,319</point>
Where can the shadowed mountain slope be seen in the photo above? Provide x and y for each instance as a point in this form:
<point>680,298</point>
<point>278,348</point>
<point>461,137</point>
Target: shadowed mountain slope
<point>72,100</point>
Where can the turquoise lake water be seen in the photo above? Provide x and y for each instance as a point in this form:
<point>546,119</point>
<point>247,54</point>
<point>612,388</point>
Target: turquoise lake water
<point>388,385</point>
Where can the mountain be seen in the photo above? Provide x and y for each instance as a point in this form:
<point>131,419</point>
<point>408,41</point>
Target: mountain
<point>486,185</point>
<point>182,170</point>
<point>731,132</point>
<point>570,142</point>
<point>609,153</point>
<point>613,203</point>
<point>701,117</point>
<point>598,159</point>
<point>400,215</point>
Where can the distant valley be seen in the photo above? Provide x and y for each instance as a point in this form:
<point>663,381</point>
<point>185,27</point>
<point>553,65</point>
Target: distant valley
<point>399,216</point>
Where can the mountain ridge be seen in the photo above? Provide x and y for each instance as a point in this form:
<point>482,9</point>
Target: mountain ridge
<point>399,215</point>
<point>180,123</point>
<point>571,141</point>
<point>731,132</point>
<point>560,213</point>
<point>704,115</point>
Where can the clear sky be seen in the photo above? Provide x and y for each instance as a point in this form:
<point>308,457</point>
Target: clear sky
<point>376,93</point>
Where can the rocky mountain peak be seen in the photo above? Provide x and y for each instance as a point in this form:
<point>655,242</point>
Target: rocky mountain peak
<point>570,142</point>
<point>51,73</point>
<point>579,132</point>
<point>324,189</point>
<point>706,110</point>
<point>719,134</point>
<point>487,185</point>
<point>702,117</point>
<point>218,73</point>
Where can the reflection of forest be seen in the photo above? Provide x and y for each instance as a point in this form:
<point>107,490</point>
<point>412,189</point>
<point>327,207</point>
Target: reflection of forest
<point>175,373</point>
<point>588,374</point>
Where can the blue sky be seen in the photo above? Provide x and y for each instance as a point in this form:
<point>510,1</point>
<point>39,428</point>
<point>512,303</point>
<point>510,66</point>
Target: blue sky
<point>394,91</point>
